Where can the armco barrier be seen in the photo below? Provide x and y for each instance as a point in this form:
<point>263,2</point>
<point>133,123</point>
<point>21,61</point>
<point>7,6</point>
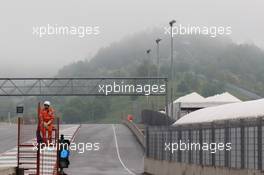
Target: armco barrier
<point>136,131</point>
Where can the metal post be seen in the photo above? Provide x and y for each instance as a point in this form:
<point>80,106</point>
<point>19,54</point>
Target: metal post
<point>57,143</point>
<point>171,66</point>
<point>147,141</point>
<point>158,66</point>
<point>201,143</point>
<point>38,142</point>
<point>260,143</point>
<point>242,130</point>
<point>179,139</point>
<point>170,141</point>
<point>213,141</point>
<point>18,141</point>
<point>227,139</point>
<point>156,139</point>
<point>158,57</point>
<point>162,145</point>
<point>148,71</point>
<point>166,98</point>
<point>190,151</point>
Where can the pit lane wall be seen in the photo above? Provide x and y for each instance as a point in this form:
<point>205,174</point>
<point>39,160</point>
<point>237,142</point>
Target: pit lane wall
<point>136,131</point>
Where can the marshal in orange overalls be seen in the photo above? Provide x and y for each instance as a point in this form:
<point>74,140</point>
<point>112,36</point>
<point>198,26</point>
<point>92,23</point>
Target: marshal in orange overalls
<point>46,123</point>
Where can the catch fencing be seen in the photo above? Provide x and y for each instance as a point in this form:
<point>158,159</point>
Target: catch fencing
<point>231,144</point>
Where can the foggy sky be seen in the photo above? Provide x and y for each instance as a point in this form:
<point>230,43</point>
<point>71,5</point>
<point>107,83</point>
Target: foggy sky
<point>23,54</point>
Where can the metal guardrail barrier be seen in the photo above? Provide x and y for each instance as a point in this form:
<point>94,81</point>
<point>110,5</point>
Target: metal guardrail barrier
<point>136,131</point>
<point>245,136</point>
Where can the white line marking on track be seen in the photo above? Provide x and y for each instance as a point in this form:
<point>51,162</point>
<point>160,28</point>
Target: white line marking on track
<point>118,154</point>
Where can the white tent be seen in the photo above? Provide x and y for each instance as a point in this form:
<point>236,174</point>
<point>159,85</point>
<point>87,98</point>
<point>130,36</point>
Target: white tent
<point>224,98</point>
<point>231,111</point>
<point>190,98</point>
<point>195,101</point>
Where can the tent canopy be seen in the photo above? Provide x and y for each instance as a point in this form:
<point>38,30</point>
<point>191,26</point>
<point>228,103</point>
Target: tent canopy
<point>231,111</point>
<point>224,97</point>
<point>190,98</point>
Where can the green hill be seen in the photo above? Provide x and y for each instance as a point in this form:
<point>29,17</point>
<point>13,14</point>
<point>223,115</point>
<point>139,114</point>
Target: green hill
<point>202,64</point>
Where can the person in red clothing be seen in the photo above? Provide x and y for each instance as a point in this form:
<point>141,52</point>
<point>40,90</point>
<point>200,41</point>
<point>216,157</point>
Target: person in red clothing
<point>46,121</point>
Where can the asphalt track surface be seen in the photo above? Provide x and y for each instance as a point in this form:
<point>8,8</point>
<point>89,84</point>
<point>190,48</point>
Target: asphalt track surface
<point>119,153</point>
<point>8,136</point>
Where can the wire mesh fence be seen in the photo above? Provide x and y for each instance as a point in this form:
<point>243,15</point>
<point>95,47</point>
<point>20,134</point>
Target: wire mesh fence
<point>232,144</point>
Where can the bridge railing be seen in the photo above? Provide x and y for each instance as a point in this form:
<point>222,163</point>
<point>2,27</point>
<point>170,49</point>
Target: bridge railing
<point>231,144</point>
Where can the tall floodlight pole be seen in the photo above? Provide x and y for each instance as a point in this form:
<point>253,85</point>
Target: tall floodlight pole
<point>158,63</point>
<point>158,57</point>
<point>171,65</point>
<point>148,55</point>
<point>148,73</point>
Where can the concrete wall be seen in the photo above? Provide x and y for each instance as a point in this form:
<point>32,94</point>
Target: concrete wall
<point>8,171</point>
<point>136,131</point>
<point>157,167</point>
